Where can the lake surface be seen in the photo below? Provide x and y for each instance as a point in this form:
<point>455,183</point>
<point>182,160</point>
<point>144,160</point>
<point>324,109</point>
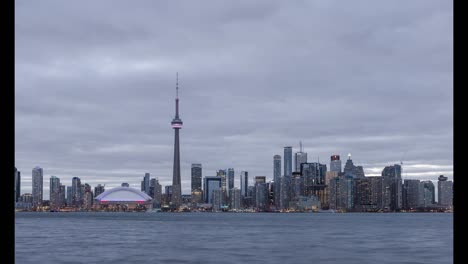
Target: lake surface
<point>92,237</point>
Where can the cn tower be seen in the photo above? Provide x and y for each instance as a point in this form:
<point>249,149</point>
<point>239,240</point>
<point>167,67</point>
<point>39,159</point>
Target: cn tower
<point>176,125</point>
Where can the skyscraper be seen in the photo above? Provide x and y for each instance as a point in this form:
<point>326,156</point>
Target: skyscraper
<point>445,191</point>
<point>37,186</point>
<point>335,163</point>
<point>222,174</point>
<point>230,177</point>
<point>69,196</point>
<point>210,184</point>
<point>277,179</point>
<point>392,187</point>
<point>62,195</point>
<point>354,171</point>
<point>196,183</point>
<point>176,125</point>
<point>244,183</point>
<point>77,197</point>
<point>17,185</point>
<point>429,193</point>
<point>54,196</point>
<point>157,193</point>
<point>145,184</point>
<point>412,194</point>
<point>299,158</point>
<point>287,161</point>
<point>87,196</point>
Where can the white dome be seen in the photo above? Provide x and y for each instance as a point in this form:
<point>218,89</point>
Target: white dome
<point>123,194</point>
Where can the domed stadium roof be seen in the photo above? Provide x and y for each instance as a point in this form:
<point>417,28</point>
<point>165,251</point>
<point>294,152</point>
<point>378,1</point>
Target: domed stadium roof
<point>123,194</point>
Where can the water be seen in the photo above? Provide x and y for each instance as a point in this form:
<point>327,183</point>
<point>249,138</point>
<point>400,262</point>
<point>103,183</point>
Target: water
<point>233,238</point>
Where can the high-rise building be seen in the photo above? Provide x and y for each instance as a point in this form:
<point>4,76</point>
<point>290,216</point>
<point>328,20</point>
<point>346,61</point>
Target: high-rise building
<point>210,184</point>
<point>54,196</point>
<point>244,183</point>
<point>412,194</point>
<point>217,200</point>
<point>350,169</point>
<point>299,158</point>
<point>87,197</point>
<point>77,198</point>
<point>429,193</point>
<point>222,174</point>
<point>314,175</point>
<point>145,184</point>
<point>335,163</point>
<point>329,175</point>
<point>277,179</point>
<point>368,194</point>
<point>392,187</point>
<point>341,194</point>
<point>261,195</point>
<point>445,191</point>
<point>98,190</point>
<point>287,161</point>
<point>230,177</point>
<point>176,125</point>
<point>17,185</point>
<point>37,186</point>
<point>196,183</point>
<point>285,192</point>
<point>235,198</point>
<point>62,196</point>
<point>69,196</point>
<point>156,193</point>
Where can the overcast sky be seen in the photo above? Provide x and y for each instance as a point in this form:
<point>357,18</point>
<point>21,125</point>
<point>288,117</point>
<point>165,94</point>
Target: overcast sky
<point>95,86</point>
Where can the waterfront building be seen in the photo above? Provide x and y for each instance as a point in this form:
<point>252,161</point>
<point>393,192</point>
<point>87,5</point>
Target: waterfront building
<point>98,190</point>
<point>62,200</point>
<point>235,198</point>
<point>285,191</point>
<point>77,197</point>
<point>87,197</point>
<point>261,195</point>
<point>54,192</point>
<point>445,191</point>
<point>244,183</point>
<point>429,193</point>
<point>217,199</point>
<point>412,194</point>
<point>368,194</point>
<point>210,184</point>
<point>277,179</point>
<point>314,175</point>
<point>287,161</point>
<point>196,184</point>
<point>156,193</point>
<point>145,184</point>
<point>341,194</point>
<point>69,196</point>
<point>352,170</point>
<point>123,198</point>
<point>37,186</point>
<point>392,187</point>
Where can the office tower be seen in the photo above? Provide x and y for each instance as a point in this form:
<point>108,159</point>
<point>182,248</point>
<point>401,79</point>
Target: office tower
<point>54,195</point>
<point>299,158</point>
<point>335,163</point>
<point>156,193</point>
<point>87,196</point>
<point>176,125</point>
<point>230,178</point>
<point>98,190</point>
<point>62,196</point>
<point>217,199</point>
<point>297,185</point>
<point>445,191</point>
<point>277,179</point>
<point>392,187</point>
<point>69,196</point>
<point>222,174</point>
<point>412,194</point>
<point>210,183</point>
<point>368,194</point>
<point>429,193</point>
<point>350,169</point>
<point>314,175</point>
<point>145,184</point>
<point>77,197</point>
<point>260,179</point>
<point>124,184</point>
<point>37,186</point>
<point>244,183</point>
<point>341,193</point>
<point>17,185</point>
<point>287,161</point>
<point>235,198</point>
<point>285,192</point>
<point>261,195</point>
<point>196,183</point>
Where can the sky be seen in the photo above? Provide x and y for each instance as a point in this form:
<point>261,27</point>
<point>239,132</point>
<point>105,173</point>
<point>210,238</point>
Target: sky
<point>95,87</point>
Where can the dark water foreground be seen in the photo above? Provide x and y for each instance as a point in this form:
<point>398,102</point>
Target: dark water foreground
<point>233,238</point>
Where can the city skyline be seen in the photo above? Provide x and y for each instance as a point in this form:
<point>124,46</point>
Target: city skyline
<point>97,109</point>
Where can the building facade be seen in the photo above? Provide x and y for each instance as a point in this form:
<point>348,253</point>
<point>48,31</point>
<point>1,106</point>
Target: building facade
<point>37,186</point>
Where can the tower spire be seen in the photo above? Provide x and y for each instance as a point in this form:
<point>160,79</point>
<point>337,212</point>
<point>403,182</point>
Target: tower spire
<point>177,85</point>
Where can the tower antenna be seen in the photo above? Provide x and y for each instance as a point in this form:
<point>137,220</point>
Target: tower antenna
<point>177,85</point>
